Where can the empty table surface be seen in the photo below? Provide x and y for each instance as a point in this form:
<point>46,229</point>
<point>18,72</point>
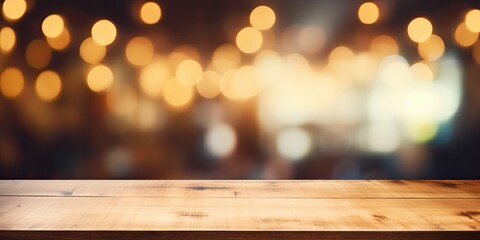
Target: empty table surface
<point>239,209</point>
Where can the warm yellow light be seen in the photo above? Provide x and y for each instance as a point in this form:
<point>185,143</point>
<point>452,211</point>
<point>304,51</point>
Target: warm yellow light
<point>368,13</point>
<point>60,42</point>
<point>38,54</point>
<point>14,9</point>
<point>262,18</point>
<point>241,84</point>
<point>176,94</point>
<point>139,51</point>
<point>150,12</point>
<point>341,52</point>
<point>91,52</point>
<point>340,58</point>
<point>384,45</point>
<point>7,39</point>
<point>11,82</point>
<point>364,67</point>
<point>104,32</point>
<point>421,71</point>
<point>249,40</point>
<point>472,20</point>
<point>48,85</point>
<point>432,49</point>
<point>420,29</point>
<point>209,85</point>
<point>226,57</point>
<point>153,77</point>
<point>100,78</point>
<point>465,37</point>
<point>52,26</point>
<point>188,72</point>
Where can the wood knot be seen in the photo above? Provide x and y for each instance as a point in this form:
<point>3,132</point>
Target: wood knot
<point>192,214</point>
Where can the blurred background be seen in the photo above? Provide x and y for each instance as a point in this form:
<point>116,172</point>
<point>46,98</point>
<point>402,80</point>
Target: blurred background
<point>294,89</point>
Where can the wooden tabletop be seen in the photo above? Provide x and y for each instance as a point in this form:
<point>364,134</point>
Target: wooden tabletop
<point>239,209</point>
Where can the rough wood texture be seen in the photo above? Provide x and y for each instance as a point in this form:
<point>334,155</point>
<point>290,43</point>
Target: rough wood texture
<point>221,209</point>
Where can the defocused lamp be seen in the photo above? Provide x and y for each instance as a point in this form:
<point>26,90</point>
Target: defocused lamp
<point>14,9</point>
<point>91,52</point>
<point>249,40</point>
<point>153,77</point>
<point>432,49</point>
<point>464,37</point>
<point>150,12</point>
<point>368,13</point>
<point>11,82</point>
<point>420,29</point>
<point>209,85</point>
<point>100,78</point>
<point>104,32</point>
<point>139,51</point>
<point>188,72</point>
<point>48,85</point>
<point>7,39</point>
<point>472,20</point>
<point>60,42</point>
<point>262,18</point>
<point>52,26</point>
<point>38,54</point>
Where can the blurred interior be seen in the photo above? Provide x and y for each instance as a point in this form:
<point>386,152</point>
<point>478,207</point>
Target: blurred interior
<point>295,89</point>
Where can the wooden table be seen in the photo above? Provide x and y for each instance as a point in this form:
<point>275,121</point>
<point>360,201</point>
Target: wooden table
<point>243,209</point>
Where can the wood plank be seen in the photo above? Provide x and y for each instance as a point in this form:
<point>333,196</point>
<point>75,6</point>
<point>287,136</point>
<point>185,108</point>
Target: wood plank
<point>188,209</point>
<point>222,214</point>
<point>244,188</point>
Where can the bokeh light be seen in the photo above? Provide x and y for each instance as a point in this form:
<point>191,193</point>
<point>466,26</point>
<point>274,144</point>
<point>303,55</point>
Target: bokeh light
<point>420,29</point>
<point>209,85</point>
<point>11,82</point>
<point>7,39</point>
<point>150,12</point>
<point>421,71</point>
<point>91,52</point>
<point>13,10</point>
<point>262,17</point>
<point>368,13</point>
<point>384,45</point>
<point>220,140</point>
<point>100,78</point>
<point>139,51</point>
<point>38,54</point>
<point>431,49</point>
<point>176,94</point>
<point>188,72</point>
<point>294,143</point>
<point>52,26</point>
<point>472,20</point>
<point>249,40</point>
<point>153,77</point>
<point>464,37</point>
<point>104,32</point>
<point>307,89</point>
<point>48,85</point>
<point>61,42</point>
<point>241,84</point>
<point>226,57</point>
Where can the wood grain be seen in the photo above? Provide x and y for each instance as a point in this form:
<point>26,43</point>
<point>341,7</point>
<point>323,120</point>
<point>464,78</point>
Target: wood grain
<point>248,209</point>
